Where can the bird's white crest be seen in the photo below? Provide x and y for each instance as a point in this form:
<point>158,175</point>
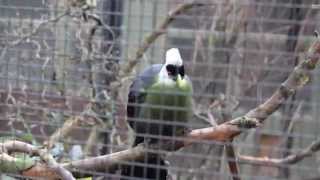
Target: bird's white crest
<point>173,57</point>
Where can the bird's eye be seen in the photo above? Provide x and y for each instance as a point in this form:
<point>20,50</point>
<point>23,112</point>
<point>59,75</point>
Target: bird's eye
<point>172,70</point>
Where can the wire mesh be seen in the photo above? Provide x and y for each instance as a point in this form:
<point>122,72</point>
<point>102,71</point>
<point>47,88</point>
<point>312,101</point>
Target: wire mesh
<point>67,67</point>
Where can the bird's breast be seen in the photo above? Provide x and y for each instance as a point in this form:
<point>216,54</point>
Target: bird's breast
<point>167,102</point>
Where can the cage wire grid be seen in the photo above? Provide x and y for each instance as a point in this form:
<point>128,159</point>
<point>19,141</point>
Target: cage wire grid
<point>65,73</point>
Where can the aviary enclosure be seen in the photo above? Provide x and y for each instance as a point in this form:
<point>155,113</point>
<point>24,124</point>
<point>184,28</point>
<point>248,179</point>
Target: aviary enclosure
<point>66,67</point>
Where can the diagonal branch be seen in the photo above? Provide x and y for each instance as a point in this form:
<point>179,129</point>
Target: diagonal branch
<point>296,80</point>
<point>68,126</point>
<point>155,34</point>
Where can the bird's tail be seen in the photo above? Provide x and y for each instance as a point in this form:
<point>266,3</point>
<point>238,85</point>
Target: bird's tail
<point>153,167</point>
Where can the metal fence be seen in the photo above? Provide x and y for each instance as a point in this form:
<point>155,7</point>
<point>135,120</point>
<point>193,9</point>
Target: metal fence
<point>66,68</point>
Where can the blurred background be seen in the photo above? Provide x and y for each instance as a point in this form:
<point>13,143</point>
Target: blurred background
<point>59,60</point>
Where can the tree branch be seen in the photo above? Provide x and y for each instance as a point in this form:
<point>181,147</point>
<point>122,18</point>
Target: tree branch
<point>155,34</point>
<point>291,159</point>
<point>296,80</point>
<point>69,125</point>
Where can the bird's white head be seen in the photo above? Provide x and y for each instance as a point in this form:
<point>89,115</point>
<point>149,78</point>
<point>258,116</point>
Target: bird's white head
<point>173,67</point>
<point>173,57</point>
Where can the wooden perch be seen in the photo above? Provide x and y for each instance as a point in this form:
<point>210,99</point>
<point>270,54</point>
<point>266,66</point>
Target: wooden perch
<point>223,132</point>
<point>110,162</point>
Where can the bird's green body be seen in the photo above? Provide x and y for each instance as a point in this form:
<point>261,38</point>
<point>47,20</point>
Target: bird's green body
<point>170,102</point>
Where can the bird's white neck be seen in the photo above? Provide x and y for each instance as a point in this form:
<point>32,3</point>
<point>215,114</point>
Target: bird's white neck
<point>164,77</point>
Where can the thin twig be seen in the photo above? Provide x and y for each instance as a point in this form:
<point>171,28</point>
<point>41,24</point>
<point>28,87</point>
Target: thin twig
<point>33,32</point>
<point>91,141</point>
<point>99,23</point>
<point>69,125</point>
<point>37,28</point>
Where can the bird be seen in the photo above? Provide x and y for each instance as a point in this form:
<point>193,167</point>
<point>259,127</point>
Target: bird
<point>159,106</point>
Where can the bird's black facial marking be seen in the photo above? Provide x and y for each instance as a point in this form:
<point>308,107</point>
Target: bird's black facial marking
<point>181,71</point>
<point>174,70</point>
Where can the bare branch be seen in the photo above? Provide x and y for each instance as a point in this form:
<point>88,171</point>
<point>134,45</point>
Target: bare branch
<point>222,132</point>
<point>291,159</point>
<point>33,32</point>
<point>99,23</point>
<point>108,162</point>
<point>296,80</point>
